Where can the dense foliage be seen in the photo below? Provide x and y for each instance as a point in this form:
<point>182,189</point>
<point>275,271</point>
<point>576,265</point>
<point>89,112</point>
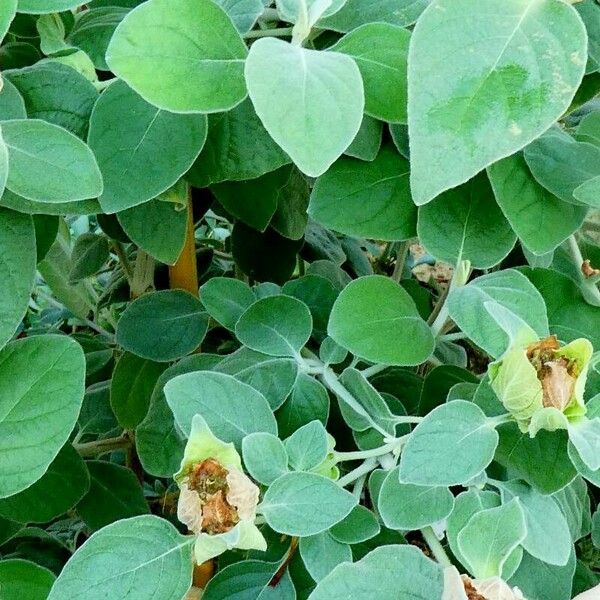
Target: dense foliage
<point>299,299</point>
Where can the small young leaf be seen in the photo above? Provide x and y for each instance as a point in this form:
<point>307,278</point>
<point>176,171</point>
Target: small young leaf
<point>310,102</point>
<point>359,526</point>
<point>303,504</point>
<point>265,457</point>
<point>90,252</point>
<point>277,325</point>
<point>377,320</point>
<point>454,443</point>
<point>307,446</point>
<point>162,326</point>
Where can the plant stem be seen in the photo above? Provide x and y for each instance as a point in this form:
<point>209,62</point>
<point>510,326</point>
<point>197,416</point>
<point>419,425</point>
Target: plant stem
<point>275,32</point>
<point>99,329</point>
<point>183,275</point>
<point>286,561</point>
<point>364,454</point>
<point>373,370</point>
<point>459,278</point>
<point>577,258</point>
<point>99,447</point>
<point>436,547</point>
<point>401,255</point>
<point>366,467</point>
<point>331,381</point>
<point>143,274</point>
<point>123,260</point>
<point>451,337</point>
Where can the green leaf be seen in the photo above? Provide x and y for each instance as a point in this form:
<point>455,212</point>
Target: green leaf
<point>93,30</point>
<point>162,326</point>
<point>231,409</point>
<point>277,325</point>
<point>377,320</point>
<point>490,536</point>
<point>359,526</point>
<point>12,105</point>
<point>49,164</point>
<point>585,437</point>
<point>33,207</point>
<point>114,494</point>
<point>89,253</point>
<point>370,199</point>
<point>310,102</point>
<point>541,461</point>
<point>574,503</point>
<point>454,443</point>
<point>540,581</point>
<point>303,504</point>
<point>510,289</point>
<point>131,387</point>
<point>321,553</point>
<point>588,192</point>
<point>157,227</point>
<point>466,223</point>
<point>237,148</point>
<point>243,13</point>
<point>180,55</point>
<point>158,441</point>
<point>290,10</point>
<point>60,488</point>
<point>147,548</point>
<point>355,13</point>
<point>226,300</point>
<point>249,580</point>
<point>504,90</point>
<point>548,537</point>
<point>562,164</point>
<point>125,132</point>
<point>407,506</point>
<point>24,579</point>
<point>377,577</point>
<point>541,220</point>
<point>381,53</point>
<point>37,7</point>
<point>570,316</point>
<point>41,390</point>
<point>265,457</point>
<point>56,93</point>
<point>308,401</point>
<point>367,142</point>
<point>17,269</point>
<point>307,447</point>
<point>7,14</point>
<point>46,231</point>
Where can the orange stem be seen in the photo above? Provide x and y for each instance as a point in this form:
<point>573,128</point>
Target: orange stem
<point>183,275</point>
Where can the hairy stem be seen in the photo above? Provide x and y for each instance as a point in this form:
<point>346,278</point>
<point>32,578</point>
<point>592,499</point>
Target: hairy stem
<point>98,447</point>
<point>366,467</point>
<point>436,547</point>
<point>183,275</point>
<point>275,32</point>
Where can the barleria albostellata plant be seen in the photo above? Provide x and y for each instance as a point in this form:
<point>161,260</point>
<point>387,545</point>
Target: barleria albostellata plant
<point>299,299</point>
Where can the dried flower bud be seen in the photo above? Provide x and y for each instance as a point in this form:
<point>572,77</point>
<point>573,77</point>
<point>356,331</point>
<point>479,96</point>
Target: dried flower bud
<point>541,383</point>
<point>462,587</point>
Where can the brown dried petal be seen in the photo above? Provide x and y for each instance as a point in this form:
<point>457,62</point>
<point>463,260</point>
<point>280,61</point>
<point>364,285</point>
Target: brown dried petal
<point>557,384</point>
<point>588,270</point>
<point>218,516</point>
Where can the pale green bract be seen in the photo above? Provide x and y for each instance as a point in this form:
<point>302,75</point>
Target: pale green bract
<point>134,558</point>
<point>515,65</point>
<point>310,102</point>
<point>180,55</point>
<point>41,390</point>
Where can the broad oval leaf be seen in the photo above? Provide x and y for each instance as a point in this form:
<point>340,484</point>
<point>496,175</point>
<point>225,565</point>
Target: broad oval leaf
<point>17,269</point>
<point>265,456</point>
<point>7,14</point>
<point>226,299</point>
<point>38,7</point>
<point>321,553</point>
<point>162,326</point>
<point>510,289</point>
<point>125,132</point>
<point>276,325</point>
<point>515,66</point>
<point>454,443</point>
<point>304,504</point>
<point>49,164</point>
<point>41,390</point>
<point>24,579</point>
<point>466,223</point>
<point>381,53</point>
<point>377,320</point>
<point>180,55</point>
<point>370,199</point>
<point>377,576</point>
<point>133,559</point>
<point>310,102</point>
<point>232,409</point>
